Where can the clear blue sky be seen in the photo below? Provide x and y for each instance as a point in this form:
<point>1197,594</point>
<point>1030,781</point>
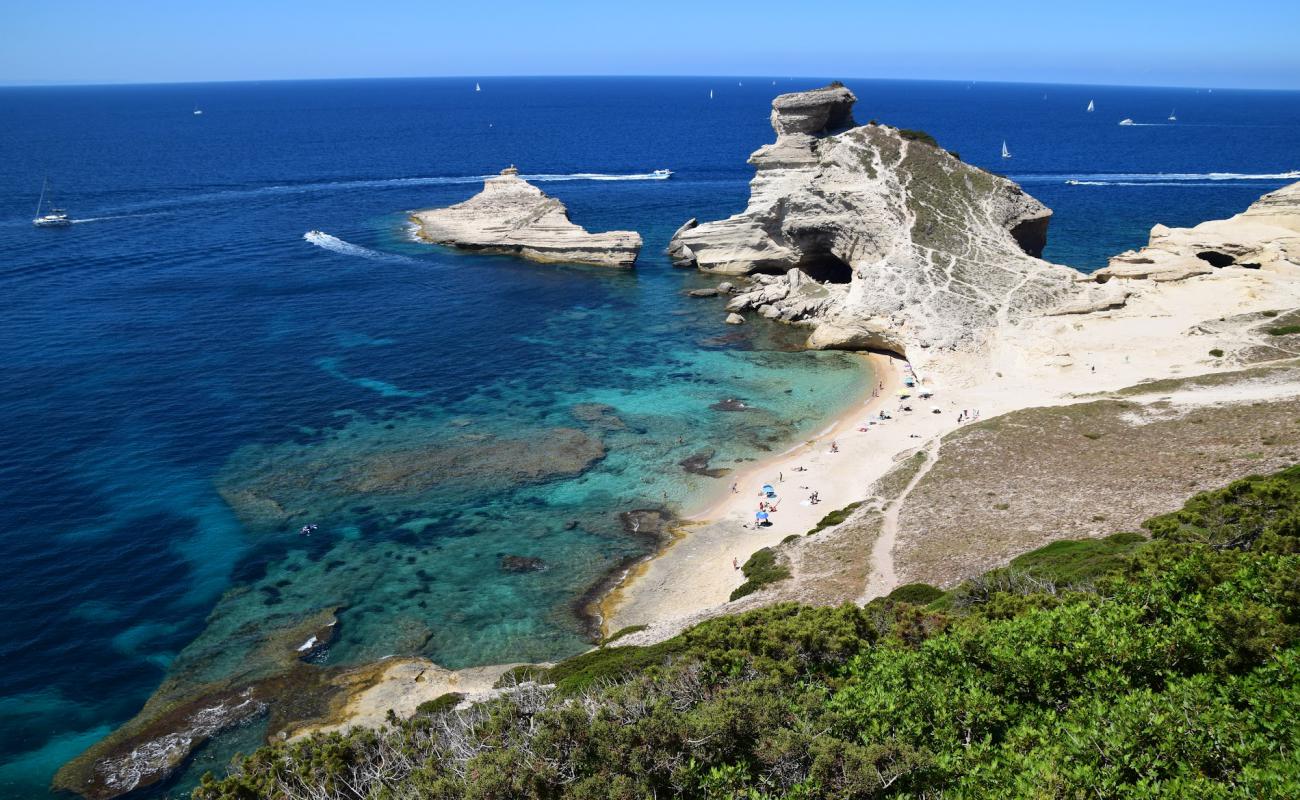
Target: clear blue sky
<point>1246,43</point>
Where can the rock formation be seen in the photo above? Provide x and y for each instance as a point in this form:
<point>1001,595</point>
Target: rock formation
<point>1264,236</point>
<point>513,217</point>
<point>875,237</point>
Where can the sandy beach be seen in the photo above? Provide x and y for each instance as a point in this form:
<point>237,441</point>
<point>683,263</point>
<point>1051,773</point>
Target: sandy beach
<point>698,568</point>
<point>1048,360</point>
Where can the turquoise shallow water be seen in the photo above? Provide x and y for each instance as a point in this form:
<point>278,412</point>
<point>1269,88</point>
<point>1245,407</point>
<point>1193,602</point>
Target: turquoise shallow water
<point>189,380</point>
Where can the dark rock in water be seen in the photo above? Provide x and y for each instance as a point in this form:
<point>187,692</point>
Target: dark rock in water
<point>646,522</point>
<point>571,525</point>
<point>731,404</point>
<point>189,708</point>
<point>698,464</point>
<point>522,564</point>
<point>703,293</point>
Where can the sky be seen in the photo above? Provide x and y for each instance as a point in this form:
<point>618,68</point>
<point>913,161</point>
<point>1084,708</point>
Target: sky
<point>1247,43</point>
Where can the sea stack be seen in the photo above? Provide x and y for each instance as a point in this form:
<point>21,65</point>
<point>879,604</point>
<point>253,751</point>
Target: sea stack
<point>876,237</point>
<point>513,217</point>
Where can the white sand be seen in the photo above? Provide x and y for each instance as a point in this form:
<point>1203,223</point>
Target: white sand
<point>1043,361</point>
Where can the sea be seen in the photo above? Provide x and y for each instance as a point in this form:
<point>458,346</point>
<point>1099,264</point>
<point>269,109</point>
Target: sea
<point>238,336</point>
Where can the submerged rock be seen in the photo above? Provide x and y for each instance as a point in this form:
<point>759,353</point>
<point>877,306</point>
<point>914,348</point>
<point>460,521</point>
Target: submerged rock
<point>519,564</point>
<point>698,464</point>
<point>735,319</point>
<point>730,404</point>
<point>391,465</point>
<point>875,237</point>
<point>513,217</point>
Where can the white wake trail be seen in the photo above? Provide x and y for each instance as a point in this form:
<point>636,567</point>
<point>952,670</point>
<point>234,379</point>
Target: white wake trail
<point>337,245</point>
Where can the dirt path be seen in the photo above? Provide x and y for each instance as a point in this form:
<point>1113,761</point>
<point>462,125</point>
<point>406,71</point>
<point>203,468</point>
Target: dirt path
<point>883,579</point>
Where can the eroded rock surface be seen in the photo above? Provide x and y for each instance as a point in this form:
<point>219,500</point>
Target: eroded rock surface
<point>875,237</point>
<point>1265,236</point>
<point>513,217</point>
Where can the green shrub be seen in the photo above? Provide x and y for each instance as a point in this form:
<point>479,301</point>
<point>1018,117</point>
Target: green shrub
<point>607,664</point>
<point>1073,561</point>
<point>1217,353</point>
<point>760,570</point>
<point>1284,330</point>
<point>918,594</point>
<point>521,674</point>
<point>439,704</point>
<point>917,136</point>
<point>834,518</point>
<point>621,632</point>
<point>1254,512</point>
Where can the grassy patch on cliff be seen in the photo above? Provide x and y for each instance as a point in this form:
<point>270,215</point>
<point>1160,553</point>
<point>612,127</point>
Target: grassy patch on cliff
<point>761,569</point>
<point>834,518</point>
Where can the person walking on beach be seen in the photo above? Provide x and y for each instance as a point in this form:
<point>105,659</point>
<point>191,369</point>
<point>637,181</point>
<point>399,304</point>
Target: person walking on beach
<point>735,563</point>
<point>835,446</point>
<point>780,477</point>
<point>734,489</point>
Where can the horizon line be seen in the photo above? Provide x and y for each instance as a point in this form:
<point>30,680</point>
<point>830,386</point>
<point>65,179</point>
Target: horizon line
<point>481,77</point>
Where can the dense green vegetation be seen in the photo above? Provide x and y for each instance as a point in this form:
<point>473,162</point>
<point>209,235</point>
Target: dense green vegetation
<point>761,569</point>
<point>1284,330</point>
<point>1121,667</point>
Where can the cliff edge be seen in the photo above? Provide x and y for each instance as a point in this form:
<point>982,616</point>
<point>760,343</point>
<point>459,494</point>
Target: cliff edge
<point>875,237</point>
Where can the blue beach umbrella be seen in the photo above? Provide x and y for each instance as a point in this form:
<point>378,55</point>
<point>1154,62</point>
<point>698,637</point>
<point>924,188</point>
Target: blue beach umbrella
<point>767,487</point>
<point>761,516</point>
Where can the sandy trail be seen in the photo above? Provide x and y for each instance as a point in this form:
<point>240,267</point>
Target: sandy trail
<point>884,578</point>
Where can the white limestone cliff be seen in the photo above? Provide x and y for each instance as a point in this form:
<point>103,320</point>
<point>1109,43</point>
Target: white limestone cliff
<point>513,217</point>
<point>875,237</point>
<point>1264,236</point>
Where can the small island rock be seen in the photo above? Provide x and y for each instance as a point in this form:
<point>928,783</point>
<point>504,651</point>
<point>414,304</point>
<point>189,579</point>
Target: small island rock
<point>513,217</point>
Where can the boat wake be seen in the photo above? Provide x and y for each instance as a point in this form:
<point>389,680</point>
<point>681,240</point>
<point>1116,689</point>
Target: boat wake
<point>1156,178</point>
<point>337,245</point>
<point>115,216</point>
<point>379,183</point>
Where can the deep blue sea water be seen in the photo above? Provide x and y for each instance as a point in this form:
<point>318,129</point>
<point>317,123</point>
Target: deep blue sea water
<point>169,358</point>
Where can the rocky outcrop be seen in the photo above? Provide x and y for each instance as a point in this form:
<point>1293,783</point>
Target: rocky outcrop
<point>513,217</point>
<point>1265,236</point>
<point>875,237</point>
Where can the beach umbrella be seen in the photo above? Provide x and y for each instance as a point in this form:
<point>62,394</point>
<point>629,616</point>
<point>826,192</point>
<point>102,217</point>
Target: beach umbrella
<point>760,516</point>
<point>767,487</point>
<point>904,393</point>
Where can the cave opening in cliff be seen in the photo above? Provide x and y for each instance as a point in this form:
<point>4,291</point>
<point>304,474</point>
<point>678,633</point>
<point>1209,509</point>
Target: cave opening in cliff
<point>825,267</point>
<point>1216,259</point>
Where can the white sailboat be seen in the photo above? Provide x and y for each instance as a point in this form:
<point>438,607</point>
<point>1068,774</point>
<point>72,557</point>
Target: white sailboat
<point>477,88</point>
<point>54,218</point>
<point>710,94</point>
<point>1091,107</point>
<point>198,112</point>
<point>1172,118</point>
<point>1005,152</point>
